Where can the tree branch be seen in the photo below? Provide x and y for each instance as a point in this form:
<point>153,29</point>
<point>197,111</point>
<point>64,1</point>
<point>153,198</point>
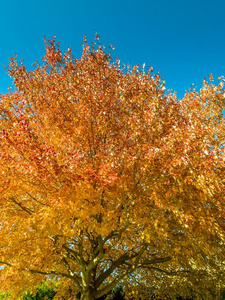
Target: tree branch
<point>128,270</point>
<point>5,263</point>
<point>27,210</point>
<point>71,273</point>
<point>147,262</point>
<point>109,271</point>
<point>35,199</point>
<point>73,276</point>
<point>173,273</point>
<point>115,233</point>
<point>71,253</point>
<point>110,286</point>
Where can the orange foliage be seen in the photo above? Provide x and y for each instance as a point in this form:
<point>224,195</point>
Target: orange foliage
<point>107,179</point>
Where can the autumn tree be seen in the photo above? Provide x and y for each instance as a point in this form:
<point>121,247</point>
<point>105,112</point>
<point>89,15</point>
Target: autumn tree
<point>107,179</point>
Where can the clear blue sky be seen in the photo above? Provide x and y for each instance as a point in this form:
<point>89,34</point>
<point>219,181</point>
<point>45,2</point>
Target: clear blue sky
<point>183,40</point>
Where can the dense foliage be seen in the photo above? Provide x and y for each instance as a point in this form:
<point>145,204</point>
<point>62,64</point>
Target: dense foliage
<point>43,292</point>
<point>107,179</point>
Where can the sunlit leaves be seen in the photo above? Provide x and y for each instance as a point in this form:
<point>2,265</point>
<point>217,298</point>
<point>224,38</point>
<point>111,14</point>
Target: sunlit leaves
<point>102,169</point>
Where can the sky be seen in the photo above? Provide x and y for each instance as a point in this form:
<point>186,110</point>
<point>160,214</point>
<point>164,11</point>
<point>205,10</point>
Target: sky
<point>182,40</point>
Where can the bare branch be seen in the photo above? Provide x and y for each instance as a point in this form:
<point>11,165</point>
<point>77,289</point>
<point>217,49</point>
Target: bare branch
<point>5,263</point>
<point>73,276</point>
<point>173,273</point>
<point>121,260</point>
<point>35,199</point>
<point>126,272</point>
<point>147,262</point>
<point>27,210</point>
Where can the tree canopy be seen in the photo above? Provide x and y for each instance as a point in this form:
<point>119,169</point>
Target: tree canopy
<point>107,179</point>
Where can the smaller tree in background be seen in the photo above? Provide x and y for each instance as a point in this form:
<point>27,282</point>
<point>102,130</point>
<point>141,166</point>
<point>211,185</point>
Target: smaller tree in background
<point>107,180</point>
<point>44,292</point>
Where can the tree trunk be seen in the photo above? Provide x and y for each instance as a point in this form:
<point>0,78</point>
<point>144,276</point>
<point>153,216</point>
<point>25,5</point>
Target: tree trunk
<point>87,295</point>
<point>88,280</point>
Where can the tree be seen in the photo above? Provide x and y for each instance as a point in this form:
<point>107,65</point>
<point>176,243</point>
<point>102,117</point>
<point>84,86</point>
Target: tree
<point>107,179</point>
<point>44,292</point>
